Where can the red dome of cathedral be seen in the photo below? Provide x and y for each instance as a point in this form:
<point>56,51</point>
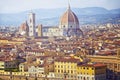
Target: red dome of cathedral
<point>69,16</point>
<point>69,24</point>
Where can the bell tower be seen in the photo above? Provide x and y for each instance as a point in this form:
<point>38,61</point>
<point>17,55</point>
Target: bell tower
<point>31,24</point>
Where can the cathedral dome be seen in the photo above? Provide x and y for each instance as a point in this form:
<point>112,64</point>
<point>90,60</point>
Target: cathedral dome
<point>69,17</point>
<point>69,24</point>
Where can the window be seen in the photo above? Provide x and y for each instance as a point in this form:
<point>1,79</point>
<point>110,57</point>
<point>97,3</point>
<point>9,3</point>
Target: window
<point>118,66</point>
<point>30,20</point>
<point>92,78</point>
<point>115,66</point>
<point>68,71</point>
<point>2,65</point>
<point>87,78</point>
<point>68,76</point>
<point>58,71</point>
<point>61,71</point>
<point>81,77</point>
<point>71,71</point>
<point>84,78</point>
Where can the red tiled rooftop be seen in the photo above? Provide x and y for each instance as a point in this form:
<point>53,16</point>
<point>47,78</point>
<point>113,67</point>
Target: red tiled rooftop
<point>68,60</point>
<point>7,46</point>
<point>94,65</point>
<point>99,65</point>
<point>35,50</point>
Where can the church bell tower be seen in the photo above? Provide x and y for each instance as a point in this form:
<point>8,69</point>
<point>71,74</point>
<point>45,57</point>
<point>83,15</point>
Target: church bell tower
<point>31,24</point>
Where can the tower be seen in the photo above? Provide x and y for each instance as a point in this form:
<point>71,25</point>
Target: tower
<point>31,24</point>
<point>40,30</point>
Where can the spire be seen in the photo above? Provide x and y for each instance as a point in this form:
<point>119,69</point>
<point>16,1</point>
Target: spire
<point>68,4</point>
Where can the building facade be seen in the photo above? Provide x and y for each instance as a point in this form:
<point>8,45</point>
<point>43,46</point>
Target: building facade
<point>74,69</point>
<point>113,65</point>
<point>92,72</point>
<point>66,68</point>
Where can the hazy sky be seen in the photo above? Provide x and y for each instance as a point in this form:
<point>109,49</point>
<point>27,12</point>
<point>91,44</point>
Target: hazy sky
<point>11,6</point>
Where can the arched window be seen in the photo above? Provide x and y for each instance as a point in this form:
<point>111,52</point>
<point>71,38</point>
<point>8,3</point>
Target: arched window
<point>30,20</point>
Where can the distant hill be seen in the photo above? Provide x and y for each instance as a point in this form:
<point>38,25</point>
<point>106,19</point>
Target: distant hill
<point>90,15</point>
<point>93,11</point>
<point>115,11</point>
